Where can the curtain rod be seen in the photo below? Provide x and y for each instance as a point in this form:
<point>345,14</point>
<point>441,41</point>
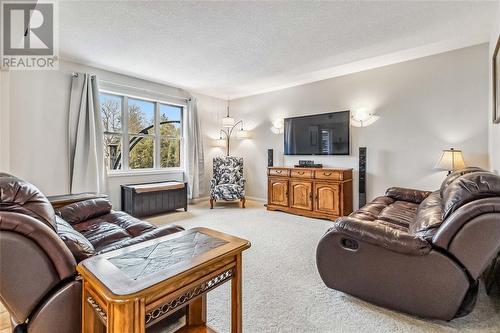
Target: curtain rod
<point>141,89</point>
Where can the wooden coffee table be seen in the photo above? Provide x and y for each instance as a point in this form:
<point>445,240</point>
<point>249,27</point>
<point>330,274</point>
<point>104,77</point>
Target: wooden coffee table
<point>130,289</point>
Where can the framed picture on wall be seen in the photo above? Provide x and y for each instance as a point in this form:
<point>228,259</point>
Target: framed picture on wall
<point>496,83</point>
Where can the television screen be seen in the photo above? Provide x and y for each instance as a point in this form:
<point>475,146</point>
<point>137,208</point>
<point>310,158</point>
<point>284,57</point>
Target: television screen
<point>321,134</point>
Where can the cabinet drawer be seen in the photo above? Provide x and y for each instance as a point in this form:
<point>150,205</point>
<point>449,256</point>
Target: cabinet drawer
<point>301,173</point>
<point>279,172</point>
<point>328,174</point>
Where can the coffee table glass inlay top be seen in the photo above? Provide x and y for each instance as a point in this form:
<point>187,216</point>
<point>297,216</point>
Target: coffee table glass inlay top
<point>163,255</point>
<point>129,289</point>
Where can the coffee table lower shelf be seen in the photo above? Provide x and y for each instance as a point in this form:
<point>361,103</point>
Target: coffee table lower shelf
<point>196,329</point>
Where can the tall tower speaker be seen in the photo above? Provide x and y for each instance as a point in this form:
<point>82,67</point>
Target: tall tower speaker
<point>362,176</point>
<point>270,161</point>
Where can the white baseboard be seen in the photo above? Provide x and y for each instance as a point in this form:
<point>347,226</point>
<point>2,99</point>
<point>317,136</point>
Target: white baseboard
<point>257,199</point>
<point>193,201</point>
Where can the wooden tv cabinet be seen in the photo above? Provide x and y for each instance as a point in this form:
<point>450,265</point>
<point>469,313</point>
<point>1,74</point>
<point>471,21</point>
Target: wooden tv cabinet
<point>313,192</point>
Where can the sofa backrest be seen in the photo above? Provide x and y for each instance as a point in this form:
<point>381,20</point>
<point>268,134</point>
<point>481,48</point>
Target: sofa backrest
<point>19,196</point>
<point>469,187</point>
<point>227,169</point>
<point>456,174</point>
<point>33,258</point>
<point>470,226</point>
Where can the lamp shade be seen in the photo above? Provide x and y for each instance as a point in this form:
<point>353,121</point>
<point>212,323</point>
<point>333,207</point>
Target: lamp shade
<point>450,160</point>
<point>227,122</point>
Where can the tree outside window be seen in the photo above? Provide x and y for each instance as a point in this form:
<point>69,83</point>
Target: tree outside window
<point>153,136</point>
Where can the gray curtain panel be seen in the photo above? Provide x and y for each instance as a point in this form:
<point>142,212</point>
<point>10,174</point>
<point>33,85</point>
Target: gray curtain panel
<point>196,164</point>
<point>86,151</point>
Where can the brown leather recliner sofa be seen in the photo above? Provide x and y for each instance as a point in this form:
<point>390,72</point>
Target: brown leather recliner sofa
<point>40,248</point>
<point>415,251</point>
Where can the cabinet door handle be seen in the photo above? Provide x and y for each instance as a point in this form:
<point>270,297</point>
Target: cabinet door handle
<point>327,174</point>
<point>278,171</point>
<point>301,172</point>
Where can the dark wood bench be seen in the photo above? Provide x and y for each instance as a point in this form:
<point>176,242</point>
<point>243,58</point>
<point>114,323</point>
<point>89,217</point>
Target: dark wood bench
<point>148,199</point>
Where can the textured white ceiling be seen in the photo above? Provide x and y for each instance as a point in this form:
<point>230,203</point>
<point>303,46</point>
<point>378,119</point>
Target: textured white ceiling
<point>233,49</point>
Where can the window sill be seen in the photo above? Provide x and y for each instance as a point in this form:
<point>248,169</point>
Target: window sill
<point>136,173</point>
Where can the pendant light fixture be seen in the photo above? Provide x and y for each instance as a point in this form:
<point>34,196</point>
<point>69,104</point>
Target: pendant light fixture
<point>227,121</point>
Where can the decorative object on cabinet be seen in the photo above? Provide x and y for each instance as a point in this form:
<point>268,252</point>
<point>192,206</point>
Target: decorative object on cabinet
<point>227,183</point>
<point>451,160</point>
<point>320,193</point>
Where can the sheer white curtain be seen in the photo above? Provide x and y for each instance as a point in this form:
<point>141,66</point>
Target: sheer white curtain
<point>86,151</point>
<point>195,158</point>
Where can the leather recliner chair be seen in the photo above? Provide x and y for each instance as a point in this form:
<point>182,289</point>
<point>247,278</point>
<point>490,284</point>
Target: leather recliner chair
<point>39,251</point>
<point>415,251</point>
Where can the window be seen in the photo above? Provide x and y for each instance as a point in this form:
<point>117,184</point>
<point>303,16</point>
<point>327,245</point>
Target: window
<point>141,133</point>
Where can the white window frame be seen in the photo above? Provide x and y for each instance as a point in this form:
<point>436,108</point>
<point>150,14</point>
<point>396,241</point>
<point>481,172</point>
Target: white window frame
<point>125,136</point>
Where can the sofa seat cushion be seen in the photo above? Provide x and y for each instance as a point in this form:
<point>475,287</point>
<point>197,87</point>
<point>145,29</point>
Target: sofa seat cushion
<point>101,233</point>
<point>429,217</point>
<point>372,210</point>
<point>118,229</point>
<point>151,234</point>
<point>401,213</point>
<point>388,210</point>
<point>79,246</point>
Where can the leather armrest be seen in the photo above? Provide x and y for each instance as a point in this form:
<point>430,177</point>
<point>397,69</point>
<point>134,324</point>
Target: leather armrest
<point>379,234</point>
<point>59,201</point>
<point>407,194</point>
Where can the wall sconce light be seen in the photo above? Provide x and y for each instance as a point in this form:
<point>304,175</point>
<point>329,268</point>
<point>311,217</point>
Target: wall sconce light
<point>362,117</point>
<point>278,126</point>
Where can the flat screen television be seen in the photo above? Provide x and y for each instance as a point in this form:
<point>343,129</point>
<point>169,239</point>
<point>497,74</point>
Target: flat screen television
<point>320,134</point>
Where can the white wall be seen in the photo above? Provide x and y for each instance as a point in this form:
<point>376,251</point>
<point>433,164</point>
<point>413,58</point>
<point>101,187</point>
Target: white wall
<point>425,106</point>
<point>38,110</point>
<point>4,121</point>
<point>494,129</point>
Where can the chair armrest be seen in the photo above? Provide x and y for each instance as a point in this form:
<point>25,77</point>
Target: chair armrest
<point>381,235</point>
<point>59,201</point>
<point>213,182</point>
<point>242,181</point>
<point>407,194</point>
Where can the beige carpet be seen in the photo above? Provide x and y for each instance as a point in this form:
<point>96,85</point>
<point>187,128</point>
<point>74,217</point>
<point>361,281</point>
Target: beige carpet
<point>282,291</point>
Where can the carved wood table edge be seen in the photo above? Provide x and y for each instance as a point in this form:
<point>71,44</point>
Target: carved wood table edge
<point>130,289</point>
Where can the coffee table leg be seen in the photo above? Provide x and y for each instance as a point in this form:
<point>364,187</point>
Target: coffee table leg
<point>236,305</point>
<point>127,317</point>
<point>90,322</point>
<point>197,311</point>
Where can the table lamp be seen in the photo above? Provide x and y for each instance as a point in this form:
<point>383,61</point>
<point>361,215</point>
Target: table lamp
<point>450,160</point>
